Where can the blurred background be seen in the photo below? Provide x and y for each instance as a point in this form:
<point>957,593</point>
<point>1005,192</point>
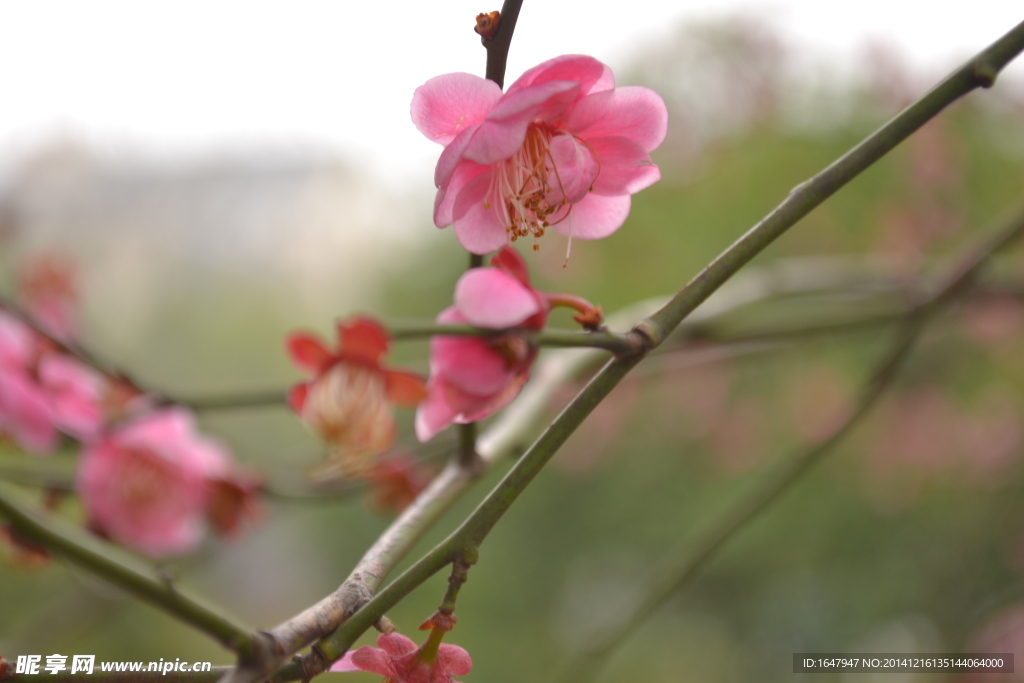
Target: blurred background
<point>220,176</point>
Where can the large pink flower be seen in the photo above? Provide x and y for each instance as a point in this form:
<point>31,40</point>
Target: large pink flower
<point>399,660</point>
<point>147,485</point>
<point>472,377</point>
<point>562,148</point>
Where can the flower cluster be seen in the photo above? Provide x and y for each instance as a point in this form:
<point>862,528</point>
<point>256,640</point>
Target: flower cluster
<point>150,482</point>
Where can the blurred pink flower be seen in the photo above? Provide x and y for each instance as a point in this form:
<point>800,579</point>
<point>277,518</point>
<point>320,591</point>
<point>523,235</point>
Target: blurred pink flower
<point>349,400</point>
<point>399,660</point>
<point>25,412</point>
<point>75,393</point>
<point>147,485</point>
<point>472,377</point>
<point>562,148</point>
<point>49,292</point>
<point>43,391</point>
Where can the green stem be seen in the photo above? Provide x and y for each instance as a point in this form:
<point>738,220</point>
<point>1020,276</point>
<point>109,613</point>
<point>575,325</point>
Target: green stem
<point>122,570</point>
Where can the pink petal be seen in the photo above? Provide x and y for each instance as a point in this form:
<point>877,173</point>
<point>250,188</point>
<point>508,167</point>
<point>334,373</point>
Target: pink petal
<point>504,130</point>
<point>487,297</point>
<point>307,351</point>
<point>592,75</point>
<point>74,393</point>
<point>362,339</point>
<point>595,217</point>
<point>297,397</point>
<point>454,660</point>
<point>476,221</point>
<point>630,112</point>
<point>404,388</point>
<point>25,413</point>
<point>469,364</point>
<point>395,644</point>
<point>376,661</point>
<point>16,342</point>
<point>444,203</point>
<point>485,408</point>
<point>510,261</point>
<point>434,414</point>
<point>345,665</point>
<point>452,156</point>
<point>445,105</point>
<point>625,166</point>
<point>574,169</point>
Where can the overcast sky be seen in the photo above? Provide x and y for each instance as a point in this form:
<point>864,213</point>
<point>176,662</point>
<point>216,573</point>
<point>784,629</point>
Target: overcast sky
<point>193,76</point>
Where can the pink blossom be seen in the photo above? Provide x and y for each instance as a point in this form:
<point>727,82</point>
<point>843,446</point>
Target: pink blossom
<point>43,391</point>
<point>147,485</point>
<point>562,148</point>
<point>349,400</point>
<point>25,412</point>
<point>472,377</point>
<point>399,660</point>
<point>49,292</point>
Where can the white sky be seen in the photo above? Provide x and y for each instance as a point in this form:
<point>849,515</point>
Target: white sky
<point>193,76</point>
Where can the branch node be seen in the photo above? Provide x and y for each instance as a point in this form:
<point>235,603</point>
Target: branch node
<point>985,74</point>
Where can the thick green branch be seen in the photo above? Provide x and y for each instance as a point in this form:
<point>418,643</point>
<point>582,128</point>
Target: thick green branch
<point>122,570</point>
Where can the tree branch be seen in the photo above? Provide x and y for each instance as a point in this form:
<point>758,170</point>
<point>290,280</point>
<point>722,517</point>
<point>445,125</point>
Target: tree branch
<point>123,570</point>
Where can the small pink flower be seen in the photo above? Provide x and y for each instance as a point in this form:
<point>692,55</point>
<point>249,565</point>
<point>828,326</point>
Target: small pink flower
<point>562,148</point>
<point>472,377</point>
<point>25,412</point>
<point>49,292</point>
<point>147,485</point>
<point>399,660</point>
<point>75,393</point>
<point>349,400</point>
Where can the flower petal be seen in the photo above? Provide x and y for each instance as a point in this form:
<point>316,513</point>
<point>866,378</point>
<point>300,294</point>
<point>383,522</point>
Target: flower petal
<point>362,339</point>
<point>445,105</point>
<point>630,112</point>
<point>481,409</point>
<point>345,665</point>
<point>469,364</point>
<point>504,130</point>
<point>592,75</point>
<point>376,661</point>
<point>572,169</point>
<point>476,221</point>
<point>454,660</point>
<point>488,297</point>
<point>404,388</point>
<point>307,351</point>
<point>444,203</point>
<point>451,156</point>
<point>434,414</point>
<point>510,261</point>
<point>596,216</point>
<point>297,397</point>
<point>395,644</point>
<point>625,166</point>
